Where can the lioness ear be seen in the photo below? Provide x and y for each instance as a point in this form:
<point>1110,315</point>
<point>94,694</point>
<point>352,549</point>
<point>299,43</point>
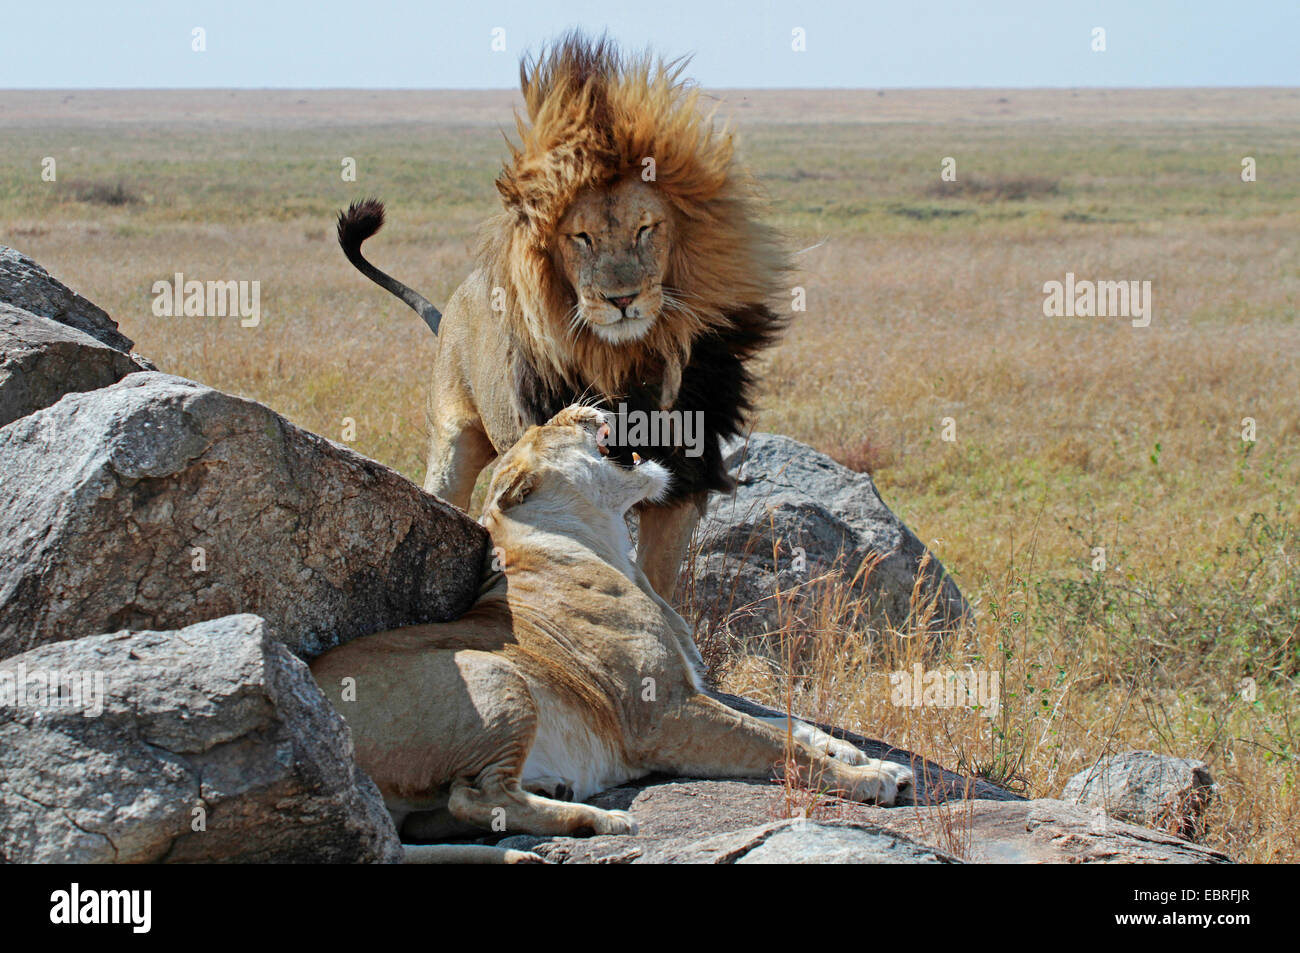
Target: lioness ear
<point>512,487</point>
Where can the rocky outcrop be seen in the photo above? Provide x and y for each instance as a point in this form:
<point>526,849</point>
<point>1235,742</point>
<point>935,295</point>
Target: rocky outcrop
<point>1146,788</point>
<point>41,360</point>
<point>157,502</point>
<point>211,744</point>
<point>820,517</point>
<point>699,821</point>
<point>26,285</point>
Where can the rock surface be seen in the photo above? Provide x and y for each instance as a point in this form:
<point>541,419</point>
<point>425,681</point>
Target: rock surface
<point>41,360</point>
<point>789,493</point>
<point>216,726</point>
<point>26,285</point>
<point>157,502</point>
<point>710,821</point>
<point>1146,788</point>
<point>801,841</point>
<point>788,841</point>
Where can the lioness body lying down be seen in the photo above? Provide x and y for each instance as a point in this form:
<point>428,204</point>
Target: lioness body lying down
<point>568,674</point>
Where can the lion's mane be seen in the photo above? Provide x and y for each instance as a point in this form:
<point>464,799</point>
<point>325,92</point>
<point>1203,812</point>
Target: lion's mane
<point>593,117</point>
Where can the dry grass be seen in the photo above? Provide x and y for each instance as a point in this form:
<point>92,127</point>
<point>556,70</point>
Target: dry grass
<point>1086,667</point>
<point>1071,433</point>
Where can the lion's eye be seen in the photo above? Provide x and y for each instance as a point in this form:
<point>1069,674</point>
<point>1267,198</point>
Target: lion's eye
<point>584,238</point>
<point>645,230</point>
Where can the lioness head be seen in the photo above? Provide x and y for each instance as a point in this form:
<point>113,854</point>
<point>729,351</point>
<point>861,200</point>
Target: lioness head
<point>565,461</point>
<point>614,250</point>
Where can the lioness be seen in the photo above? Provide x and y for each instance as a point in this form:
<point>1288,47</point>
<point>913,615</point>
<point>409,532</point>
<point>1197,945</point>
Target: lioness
<point>628,267</point>
<point>570,673</point>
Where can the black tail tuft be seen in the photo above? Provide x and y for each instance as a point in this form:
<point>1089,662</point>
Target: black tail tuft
<point>360,222</point>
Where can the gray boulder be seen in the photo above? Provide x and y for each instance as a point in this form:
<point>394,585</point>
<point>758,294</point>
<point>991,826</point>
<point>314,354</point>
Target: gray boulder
<point>41,360</point>
<point>209,744</point>
<point>1156,790</point>
<point>1042,831</point>
<point>26,285</point>
<point>822,517</point>
<point>157,502</point>
<point>732,821</point>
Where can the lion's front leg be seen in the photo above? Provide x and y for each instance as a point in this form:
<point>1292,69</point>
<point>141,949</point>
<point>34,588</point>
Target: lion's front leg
<point>705,738</point>
<point>662,539</point>
<point>459,449</point>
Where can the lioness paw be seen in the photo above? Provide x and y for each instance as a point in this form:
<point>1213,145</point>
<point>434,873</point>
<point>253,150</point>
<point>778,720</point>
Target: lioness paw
<point>616,822</point>
<point>557,789</point>
<point>901,772</point>
<point>845,752</point>
<point>881,782</point>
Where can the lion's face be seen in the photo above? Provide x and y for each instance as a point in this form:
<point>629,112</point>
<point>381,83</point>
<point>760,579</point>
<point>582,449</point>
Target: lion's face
<point>613,246</point>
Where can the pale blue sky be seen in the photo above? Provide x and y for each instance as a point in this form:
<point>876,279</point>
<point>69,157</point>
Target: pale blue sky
<point>438,44</point>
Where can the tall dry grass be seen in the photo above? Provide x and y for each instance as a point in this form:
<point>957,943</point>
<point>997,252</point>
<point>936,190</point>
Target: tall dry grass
<point>924,303</point>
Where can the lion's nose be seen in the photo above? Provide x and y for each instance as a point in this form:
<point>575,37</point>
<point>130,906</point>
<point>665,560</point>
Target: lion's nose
<point>620,301</point>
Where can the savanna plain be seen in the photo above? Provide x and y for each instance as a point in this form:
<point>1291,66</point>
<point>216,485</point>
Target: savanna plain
<point>1070,435</point>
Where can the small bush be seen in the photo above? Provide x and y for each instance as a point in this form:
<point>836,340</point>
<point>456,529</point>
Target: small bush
<point>106,193</point>
<point>996,189</point>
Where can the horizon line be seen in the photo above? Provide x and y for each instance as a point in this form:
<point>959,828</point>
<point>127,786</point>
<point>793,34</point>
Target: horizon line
<point>515,88</point>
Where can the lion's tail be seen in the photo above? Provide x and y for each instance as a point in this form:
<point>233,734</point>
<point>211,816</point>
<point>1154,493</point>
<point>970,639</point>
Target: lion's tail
<point>359,222</point>
<point>465,854</point>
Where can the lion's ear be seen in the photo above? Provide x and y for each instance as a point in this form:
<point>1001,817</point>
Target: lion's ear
<point>510,194</point>
<point>517,195</point>
<point>511,487</point>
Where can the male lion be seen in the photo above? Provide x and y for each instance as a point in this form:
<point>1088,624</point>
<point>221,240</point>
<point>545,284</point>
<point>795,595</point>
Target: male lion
<point>569,673</point>
<point>627,268</point>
